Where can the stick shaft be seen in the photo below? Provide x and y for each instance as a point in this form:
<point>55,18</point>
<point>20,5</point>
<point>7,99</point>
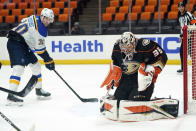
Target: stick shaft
<point>68,85</point>
<point>9,121</point>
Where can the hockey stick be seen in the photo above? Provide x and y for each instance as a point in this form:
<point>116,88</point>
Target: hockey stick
<point>13,125</point>
<point>82,99</point>
<point>30,85</point>
<point>10,122</point>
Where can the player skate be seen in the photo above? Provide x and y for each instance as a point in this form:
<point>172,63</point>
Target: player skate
<point>13,101</point>
<point>41,94</point>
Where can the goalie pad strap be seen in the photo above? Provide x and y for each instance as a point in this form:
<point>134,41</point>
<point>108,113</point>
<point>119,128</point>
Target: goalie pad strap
<point>113,76</point>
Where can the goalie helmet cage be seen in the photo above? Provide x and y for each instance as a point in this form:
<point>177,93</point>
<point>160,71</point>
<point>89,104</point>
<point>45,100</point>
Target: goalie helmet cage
<point>189,68</point>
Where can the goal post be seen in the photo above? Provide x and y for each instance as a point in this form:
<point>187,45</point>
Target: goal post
<point>189,68</point>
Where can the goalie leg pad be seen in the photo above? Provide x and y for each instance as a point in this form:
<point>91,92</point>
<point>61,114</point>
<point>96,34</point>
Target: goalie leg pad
<point>131,111</point>
<point>108,108</point>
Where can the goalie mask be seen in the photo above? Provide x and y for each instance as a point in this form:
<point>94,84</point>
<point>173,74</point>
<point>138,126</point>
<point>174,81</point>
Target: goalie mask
<point>127,44</point>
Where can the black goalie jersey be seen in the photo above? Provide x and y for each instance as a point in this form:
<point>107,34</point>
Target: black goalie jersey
<point>146,51</point>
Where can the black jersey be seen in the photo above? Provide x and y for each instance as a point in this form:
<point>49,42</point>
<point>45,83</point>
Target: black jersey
<point>146,51</point>
<point>185,19</point>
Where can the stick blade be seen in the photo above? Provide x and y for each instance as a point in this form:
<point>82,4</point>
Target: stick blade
<point>89,100</point>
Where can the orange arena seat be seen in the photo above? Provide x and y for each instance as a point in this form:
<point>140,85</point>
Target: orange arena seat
<point>36,5</point>
<point>29,12</point>
<point>156,15</point>
<point>59,5</point>
<point>11,5</point>
<point>149,8</point>
<point>111,9</point>
<point>46,5</point>
<point>114,3</point>
<point>10,19</point>
<point>145,15</point>
<point>4,12</point>
<point>140,2</point>
<point>137,9</point>
<point>125,2</point>
<point>175,2</point>
<point>73,4</point>
<point>22,5</point>
<point>106,17</point>
<point>174,7</point>
<point>63,17</point>
<point>172,15</point>
<point>56,11</point>
<point>152,2</point>
<point>20,17</point>
<point>119,17</point>
<point>165,2</point>
<point>66,10</point>
<point>16,12</point>
<point>1,19</point>
<point>124,9</point>
<point>164,8</point>
<point>134,16</point>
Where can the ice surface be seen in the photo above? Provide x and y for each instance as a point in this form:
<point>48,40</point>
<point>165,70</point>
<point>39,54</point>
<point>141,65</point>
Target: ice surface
<point>65,112</point>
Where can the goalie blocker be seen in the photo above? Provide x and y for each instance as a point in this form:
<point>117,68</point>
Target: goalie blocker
<point>132,111</point>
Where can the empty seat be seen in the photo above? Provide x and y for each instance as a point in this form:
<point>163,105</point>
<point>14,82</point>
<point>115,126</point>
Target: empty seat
<point>29,12</point>
<point>114,3</point>
<point>149,8</point>
<point>140,2</point>
<point>20,17</point>
<point>172,15</point>
<point>63,17</point>
<point>16,12</point>
<point>126,3</point>
<point>11,5</point>
<point>111,10</point>
<point>1,19</point>
<point>35,5</point>
<point>133,15</point>
<point>16,1</point>
<point>66,10</point>
<point>46,5</point>
<point>189,7</point>
<point>145,18</point>
<point>175,2</point>
<point>137,9</point>
<point>10,19</point>
<point>118,19</point>
<point>156,15</point>
<point>22,5</point>
<point>152,2</point>
<point>174,7</point>
<point>4,12</point>
<point>124,9</point>
<point>164,8</point>
<point>165,2</point>
<point>59,4</point>
<point>106,17</point>
<point>56,11</point>
<point>73,4</point>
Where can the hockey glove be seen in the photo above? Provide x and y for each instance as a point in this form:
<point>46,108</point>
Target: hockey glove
<point>113,77</point>
<point>145,76</point>
<point>50,65</point>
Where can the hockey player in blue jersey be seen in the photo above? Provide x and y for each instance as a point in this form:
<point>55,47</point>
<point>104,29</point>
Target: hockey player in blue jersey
<point>23,41</point>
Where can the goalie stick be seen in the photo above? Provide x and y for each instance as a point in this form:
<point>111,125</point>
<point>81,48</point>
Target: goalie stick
<point>13,125</point>
<point>82,99</point>
<point>30,85</point>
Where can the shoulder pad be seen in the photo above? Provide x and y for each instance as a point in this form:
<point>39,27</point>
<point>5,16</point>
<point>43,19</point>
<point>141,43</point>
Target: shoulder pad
<point>145,45</point>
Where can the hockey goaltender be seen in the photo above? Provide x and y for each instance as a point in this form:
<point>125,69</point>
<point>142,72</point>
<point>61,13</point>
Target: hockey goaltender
<point>134,70</point>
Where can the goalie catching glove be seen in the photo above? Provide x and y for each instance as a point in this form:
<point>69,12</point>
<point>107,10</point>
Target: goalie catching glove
<point>113,77</point>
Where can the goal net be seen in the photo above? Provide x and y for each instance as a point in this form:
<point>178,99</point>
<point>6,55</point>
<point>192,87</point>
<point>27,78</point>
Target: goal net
<point>189,68</point>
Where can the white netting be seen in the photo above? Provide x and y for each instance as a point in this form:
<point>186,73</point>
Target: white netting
<point>191,68</point>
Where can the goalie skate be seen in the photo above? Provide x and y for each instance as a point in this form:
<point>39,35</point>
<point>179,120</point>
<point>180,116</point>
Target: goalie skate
<point>13,101</point>
<point>41,94</point>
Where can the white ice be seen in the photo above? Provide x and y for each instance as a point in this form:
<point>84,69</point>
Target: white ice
<point>65,112</point>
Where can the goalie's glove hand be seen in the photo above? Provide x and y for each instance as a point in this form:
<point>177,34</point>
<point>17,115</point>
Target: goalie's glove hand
<point>50,64</point>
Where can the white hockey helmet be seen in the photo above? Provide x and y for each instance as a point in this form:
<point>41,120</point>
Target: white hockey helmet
<point>127,43</point>
<point>48,13</point>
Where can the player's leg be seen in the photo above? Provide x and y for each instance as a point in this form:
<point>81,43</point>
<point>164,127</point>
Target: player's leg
<point>126,86</point>
<point>36,70</point>
<point>17,59</point>
<point>145,95</point>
